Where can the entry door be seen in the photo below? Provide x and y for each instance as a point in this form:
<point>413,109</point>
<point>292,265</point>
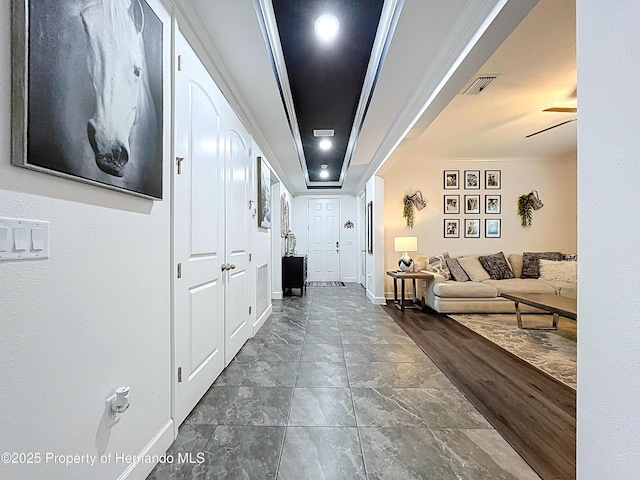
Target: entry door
<point>324,238</point>
<point>198,230</point>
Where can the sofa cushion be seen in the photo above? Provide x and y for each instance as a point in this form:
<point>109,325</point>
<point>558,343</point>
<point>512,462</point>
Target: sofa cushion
<point>474,269</point>
<point>530,266</point>
<point>496,266</point>
<point>565,289</point>
<point>457,272</point>
<point>437,264</point>
<point>515,260</point>
<point>520,285</point>
<point>453,289</point>
<point>553,271</point>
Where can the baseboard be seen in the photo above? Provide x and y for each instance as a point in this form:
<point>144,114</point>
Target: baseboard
<point>276,295</point>
<point>376,300</point>
<point>348,279</point>
<point>140,470</point>
<point>263,318</point>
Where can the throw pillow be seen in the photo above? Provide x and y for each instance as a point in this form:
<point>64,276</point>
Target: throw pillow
<point>563,271</point>
<point>515,260</point>
<point>457,272</point>
<point>437,264</point>
<point>496,266</point>
<point>474,269</point>
<point>530,265</point>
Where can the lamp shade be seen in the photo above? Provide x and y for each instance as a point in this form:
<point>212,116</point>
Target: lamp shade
<point>405,244</point>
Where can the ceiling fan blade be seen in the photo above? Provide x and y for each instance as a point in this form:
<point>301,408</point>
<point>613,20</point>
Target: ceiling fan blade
<point>554,126</point>
<point>561,109</point>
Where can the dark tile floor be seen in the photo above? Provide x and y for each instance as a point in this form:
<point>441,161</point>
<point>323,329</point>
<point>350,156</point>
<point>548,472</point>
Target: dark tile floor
<point>332,388</point>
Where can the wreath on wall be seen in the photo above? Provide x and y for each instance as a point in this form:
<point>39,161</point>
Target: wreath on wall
<point>409,203</point>
<point>527,203</point>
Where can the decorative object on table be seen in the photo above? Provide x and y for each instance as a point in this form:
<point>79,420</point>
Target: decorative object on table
<point>471,228</point>
<point>492,179</point>
<point>405,244</point>
<point>409,202</point>
<point>492,204</point>
<point>492,228</point>
<point>452,204</point>
<point>369,228</point>
<point>451,228</point>
<point>349,224</point>
<point>527,203</point>
<point>67,120</point>
<point>472,179</point>
<point>289,244</point>
<point>264,194</point>
<point>451,179</point>
<point>472,204</point>
<point>284,215</point>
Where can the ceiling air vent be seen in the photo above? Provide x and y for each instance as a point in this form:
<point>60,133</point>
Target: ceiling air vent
<point>323,133</point>
<point>479,85</point>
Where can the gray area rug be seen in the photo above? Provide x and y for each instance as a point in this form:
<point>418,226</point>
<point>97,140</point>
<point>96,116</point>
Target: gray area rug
<point>553,352</point>
<point>325,284</point>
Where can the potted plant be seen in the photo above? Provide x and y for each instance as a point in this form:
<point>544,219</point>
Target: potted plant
<point>527,203</point>
<point>407,211</point>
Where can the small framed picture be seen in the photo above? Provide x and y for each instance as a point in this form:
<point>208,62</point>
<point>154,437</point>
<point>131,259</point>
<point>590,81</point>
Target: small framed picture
<point>492,203</point>
<point>451,228</point>
<point>472,179</point>
<point>492,228</point>
<point>472,204</point>
<point>472,228</point>
<point>492,179</point>
<point>451,179</point>
<point>452,204</point>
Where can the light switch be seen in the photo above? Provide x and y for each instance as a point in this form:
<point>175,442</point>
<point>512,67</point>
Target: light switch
<point>4,239</point>
<point>19,239</point>
<point>37,239</point>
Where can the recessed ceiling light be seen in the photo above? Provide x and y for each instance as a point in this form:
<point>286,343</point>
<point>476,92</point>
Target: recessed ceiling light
<point>325,144</point>
<point>327,27</point>
<point>324,173</point>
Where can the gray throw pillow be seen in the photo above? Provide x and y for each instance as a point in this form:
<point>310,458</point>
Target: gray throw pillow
<point>437,264</point>
<point>530,262</point>
<point>496,266</point>
<point>457,272</point>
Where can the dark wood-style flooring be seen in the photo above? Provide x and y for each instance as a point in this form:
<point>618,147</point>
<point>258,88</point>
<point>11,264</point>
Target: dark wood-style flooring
<point>534,412</point>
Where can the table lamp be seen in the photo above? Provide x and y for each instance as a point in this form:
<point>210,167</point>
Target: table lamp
<point>405,244</point>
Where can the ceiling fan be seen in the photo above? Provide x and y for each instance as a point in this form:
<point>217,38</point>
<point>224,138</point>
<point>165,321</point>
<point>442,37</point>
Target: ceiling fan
<point>556,110</point>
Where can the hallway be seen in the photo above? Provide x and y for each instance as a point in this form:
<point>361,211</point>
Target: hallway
<point>332,388</point>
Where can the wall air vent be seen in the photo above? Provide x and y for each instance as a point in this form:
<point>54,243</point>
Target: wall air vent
<point>479,85</point>
<point>323,133</point>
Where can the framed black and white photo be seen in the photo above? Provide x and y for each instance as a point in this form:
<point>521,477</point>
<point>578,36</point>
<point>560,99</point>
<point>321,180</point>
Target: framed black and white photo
<point>452,204</point>
<point>472,204</point>
<point>451,228</point>
<point>451,179</point>
<point>492,204</point>
<point>492,179</point>
<point>472,228</point>
<point>369,228</point>
<point>492,228</point>
<point>264,194</point>
<point>472,179</point>
<point>88,92</point>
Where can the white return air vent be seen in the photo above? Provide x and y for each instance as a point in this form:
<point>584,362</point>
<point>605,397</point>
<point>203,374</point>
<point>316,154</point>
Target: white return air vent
<point>323,133</point>
<point>479,85</point>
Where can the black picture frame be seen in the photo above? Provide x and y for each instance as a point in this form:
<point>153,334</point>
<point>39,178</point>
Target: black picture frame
<point>369,228</point>
<point>451,228</point>
<point>471,228</point>
<point>472,179</point>
<point>451,179</point>
<point>472,204</point>
<point>60,51</point>
<point>492,179</point>
<point>264,194</point>
<point>492,204</point>
<point>492,228</point>
<point>452,204</point>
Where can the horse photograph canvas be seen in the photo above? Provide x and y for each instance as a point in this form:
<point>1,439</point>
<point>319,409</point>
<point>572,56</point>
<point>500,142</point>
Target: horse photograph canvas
<point>93,76</point>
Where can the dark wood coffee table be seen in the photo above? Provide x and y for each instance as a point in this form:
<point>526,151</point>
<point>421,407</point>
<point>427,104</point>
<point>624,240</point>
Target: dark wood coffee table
<point>556,304</point>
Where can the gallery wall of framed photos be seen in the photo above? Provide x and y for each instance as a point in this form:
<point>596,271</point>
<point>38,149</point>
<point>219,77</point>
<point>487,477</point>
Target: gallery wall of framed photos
<point>477,196</point>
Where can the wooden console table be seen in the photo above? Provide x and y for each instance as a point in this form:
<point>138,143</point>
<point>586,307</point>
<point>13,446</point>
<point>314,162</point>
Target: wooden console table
<point>556,304</point>
<point>403,276</point>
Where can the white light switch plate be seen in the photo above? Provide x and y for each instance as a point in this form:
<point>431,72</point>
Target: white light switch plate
<point>23,239</point>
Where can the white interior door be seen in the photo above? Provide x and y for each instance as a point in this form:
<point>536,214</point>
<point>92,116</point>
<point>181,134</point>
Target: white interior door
<point>198,230</point>
<point>324,240</point>
<point>362,270</point>
<point>238,183</point>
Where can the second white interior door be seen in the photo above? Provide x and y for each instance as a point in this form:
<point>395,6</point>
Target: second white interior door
<point>324,240</point>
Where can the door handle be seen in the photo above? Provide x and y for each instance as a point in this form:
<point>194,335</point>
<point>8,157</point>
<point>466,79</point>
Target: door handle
<point>231,266</point>
<point>224,267</point>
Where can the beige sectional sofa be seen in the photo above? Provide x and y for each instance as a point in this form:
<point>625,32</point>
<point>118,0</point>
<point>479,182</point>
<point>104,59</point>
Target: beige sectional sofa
<point>481,295</point>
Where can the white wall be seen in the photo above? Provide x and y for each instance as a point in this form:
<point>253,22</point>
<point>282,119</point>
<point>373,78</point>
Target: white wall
<point>554,226</point>
<point>375,271</point>
<point>277,245</point>
<point>608,47</point>
<point>93,317</point>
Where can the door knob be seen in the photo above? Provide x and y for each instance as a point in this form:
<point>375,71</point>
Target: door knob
<point>231,266</point>
<point>223,267</point>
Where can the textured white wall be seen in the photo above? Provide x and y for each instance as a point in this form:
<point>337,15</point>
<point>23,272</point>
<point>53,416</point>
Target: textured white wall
<point>375,267</point>
<point>608,47</point>
<point>93,317</point>
<point>554,227</point>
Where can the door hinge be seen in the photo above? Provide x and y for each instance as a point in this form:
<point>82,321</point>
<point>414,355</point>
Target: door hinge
<point>179,270</point>
<point>179,161</point>
<point>249,257</point>
<point>179,63</point>
<point>249,310</point>
<point>179,374</point>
